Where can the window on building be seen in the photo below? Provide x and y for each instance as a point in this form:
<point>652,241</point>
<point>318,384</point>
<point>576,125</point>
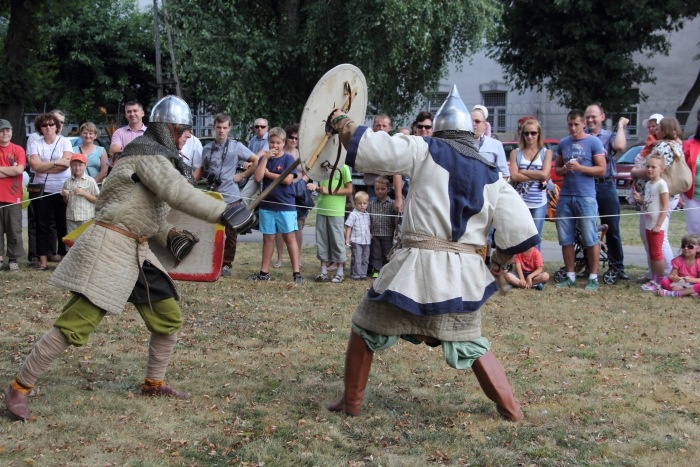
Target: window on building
<point>434,100</point>
<point>495,102</point>
<point>631,113</point>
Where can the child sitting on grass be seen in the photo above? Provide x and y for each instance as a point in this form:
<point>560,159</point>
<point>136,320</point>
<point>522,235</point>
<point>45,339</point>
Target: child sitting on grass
<point>529,270</point>
<point>684,278</point>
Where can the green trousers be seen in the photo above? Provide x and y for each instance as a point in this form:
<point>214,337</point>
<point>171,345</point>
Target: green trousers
<point>80,317</point>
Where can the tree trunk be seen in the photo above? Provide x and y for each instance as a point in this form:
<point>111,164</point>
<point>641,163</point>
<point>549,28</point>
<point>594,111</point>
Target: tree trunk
<point>688,103</point>
<point>17,57</point>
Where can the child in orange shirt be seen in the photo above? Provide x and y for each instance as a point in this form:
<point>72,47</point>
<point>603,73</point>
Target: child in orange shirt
<point>528,270</point>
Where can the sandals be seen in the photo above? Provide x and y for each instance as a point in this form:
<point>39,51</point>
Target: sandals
<point>42,268</point>
<point>337,279</point>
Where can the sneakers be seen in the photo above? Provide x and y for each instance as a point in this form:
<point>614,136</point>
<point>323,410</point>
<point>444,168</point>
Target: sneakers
<point>566,283</point>
<point>337,279</point>
<point>260,277</point>
<point>13,267</point>
<point>651,286</point>
<point>539,286</point>
<point>226,271</point>
<point>668,293</point>
<point>592,285</point>
<point>298,280</point>
<point>375,275</point>
<point>322,278</point>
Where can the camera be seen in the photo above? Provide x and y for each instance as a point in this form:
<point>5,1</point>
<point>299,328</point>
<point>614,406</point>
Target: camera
<point>213,182</point>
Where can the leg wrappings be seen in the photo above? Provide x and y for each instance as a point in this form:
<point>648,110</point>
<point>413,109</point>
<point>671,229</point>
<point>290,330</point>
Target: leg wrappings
<point>160,348</point>
<point>45,351</point>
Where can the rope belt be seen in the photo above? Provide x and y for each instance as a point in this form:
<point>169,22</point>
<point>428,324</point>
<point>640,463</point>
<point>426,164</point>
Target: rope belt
<point>126,233</point>
<point>428,242</point>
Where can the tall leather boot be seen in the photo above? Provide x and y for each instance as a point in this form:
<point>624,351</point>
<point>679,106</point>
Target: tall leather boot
<point>358,361</point>
<point>494,383</point>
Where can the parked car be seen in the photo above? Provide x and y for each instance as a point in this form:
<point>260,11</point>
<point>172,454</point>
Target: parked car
<point>552,144</point>
<point>624,165</point>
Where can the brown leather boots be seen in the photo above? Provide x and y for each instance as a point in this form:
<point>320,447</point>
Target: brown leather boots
<point>358,361</point>
<point>494,383</point>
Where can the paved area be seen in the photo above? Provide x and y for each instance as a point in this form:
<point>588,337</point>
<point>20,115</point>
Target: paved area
<point>551,251</point>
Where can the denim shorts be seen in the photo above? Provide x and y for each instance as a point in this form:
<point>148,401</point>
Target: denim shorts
<point>274,222</point>
<point>581,211</point>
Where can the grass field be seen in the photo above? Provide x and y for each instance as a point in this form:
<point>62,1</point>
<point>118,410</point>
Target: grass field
<point>606,378</point>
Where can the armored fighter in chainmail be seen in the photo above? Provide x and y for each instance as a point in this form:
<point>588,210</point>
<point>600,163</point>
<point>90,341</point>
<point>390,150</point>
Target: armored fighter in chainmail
<point>433,288</point>
<point>111,262</point>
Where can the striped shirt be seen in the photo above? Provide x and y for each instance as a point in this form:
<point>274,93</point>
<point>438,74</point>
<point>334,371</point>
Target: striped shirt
<point>79,208</point>
<point>383,219</point>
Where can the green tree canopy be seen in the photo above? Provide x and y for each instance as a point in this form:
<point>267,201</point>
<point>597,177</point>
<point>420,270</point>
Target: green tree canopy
<point>584,51</point>
<point>263,58</point>
<point>78,55</point>
<point>103,56</point>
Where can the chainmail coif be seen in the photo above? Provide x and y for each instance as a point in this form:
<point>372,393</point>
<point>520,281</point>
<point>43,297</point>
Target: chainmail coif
<point>157,140</point>
<point>463,143</point>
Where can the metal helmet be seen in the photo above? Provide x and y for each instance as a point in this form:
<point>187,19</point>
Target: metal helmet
<point>453,115</point>
<point>171,109</point>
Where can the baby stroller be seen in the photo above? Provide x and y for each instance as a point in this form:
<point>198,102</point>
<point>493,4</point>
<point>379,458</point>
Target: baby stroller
<point>581,263</point>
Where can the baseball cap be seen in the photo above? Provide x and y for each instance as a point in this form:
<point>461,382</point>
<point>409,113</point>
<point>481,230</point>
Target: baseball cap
<point>79,157</point>
<point>657,117</point>
<point>5,124</point>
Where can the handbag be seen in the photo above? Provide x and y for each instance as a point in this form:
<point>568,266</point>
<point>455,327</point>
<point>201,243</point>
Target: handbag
<point>36,190</point>
<point>523,187</point>
<point>677,175</point>
<point>302,196</point>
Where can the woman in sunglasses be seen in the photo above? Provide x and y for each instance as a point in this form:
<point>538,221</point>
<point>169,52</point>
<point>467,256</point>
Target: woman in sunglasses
<point>49,158</point>
<point>530,164</point>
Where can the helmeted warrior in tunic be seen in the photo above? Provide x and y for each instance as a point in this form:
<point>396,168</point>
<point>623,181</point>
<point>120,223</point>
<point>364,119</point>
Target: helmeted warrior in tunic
<point>433,288</point>
<point>111,263</point>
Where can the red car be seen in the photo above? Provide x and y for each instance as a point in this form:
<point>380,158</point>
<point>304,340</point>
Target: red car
<point>624,165</point>
<point>552,144</point>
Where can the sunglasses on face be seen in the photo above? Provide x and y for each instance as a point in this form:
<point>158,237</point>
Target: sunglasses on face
<point>531,133</point>
<point>292,137</point>
<point>424,127</point>
<point>47,124</point>
<point>687,247</point>
<point>257,127</point>
<point>478,121</point>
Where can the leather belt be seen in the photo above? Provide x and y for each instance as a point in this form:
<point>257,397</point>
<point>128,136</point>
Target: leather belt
<point>603,180</point>
<point>126,233</point>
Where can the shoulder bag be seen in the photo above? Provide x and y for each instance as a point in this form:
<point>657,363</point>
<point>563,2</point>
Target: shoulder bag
<point>677,175</point>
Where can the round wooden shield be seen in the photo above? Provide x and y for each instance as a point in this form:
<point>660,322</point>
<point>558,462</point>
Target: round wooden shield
<point>343,87</point>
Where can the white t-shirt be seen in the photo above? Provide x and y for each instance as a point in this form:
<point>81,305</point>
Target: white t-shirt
<point>50,152</point>
<point>652,202</point>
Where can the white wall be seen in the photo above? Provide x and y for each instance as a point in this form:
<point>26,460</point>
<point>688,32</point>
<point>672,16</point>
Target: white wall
<point>675,74</point>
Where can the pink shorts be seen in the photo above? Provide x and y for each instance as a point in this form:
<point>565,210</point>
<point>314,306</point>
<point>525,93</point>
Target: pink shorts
<point>655,243</point>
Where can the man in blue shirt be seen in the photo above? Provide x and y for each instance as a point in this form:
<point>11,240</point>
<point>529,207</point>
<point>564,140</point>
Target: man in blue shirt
<point>259,141</point>
<point>606,193</point>
<point>580,160</point>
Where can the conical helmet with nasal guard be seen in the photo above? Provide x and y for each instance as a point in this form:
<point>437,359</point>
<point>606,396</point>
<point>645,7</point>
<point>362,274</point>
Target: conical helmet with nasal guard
<point>453,115</point>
